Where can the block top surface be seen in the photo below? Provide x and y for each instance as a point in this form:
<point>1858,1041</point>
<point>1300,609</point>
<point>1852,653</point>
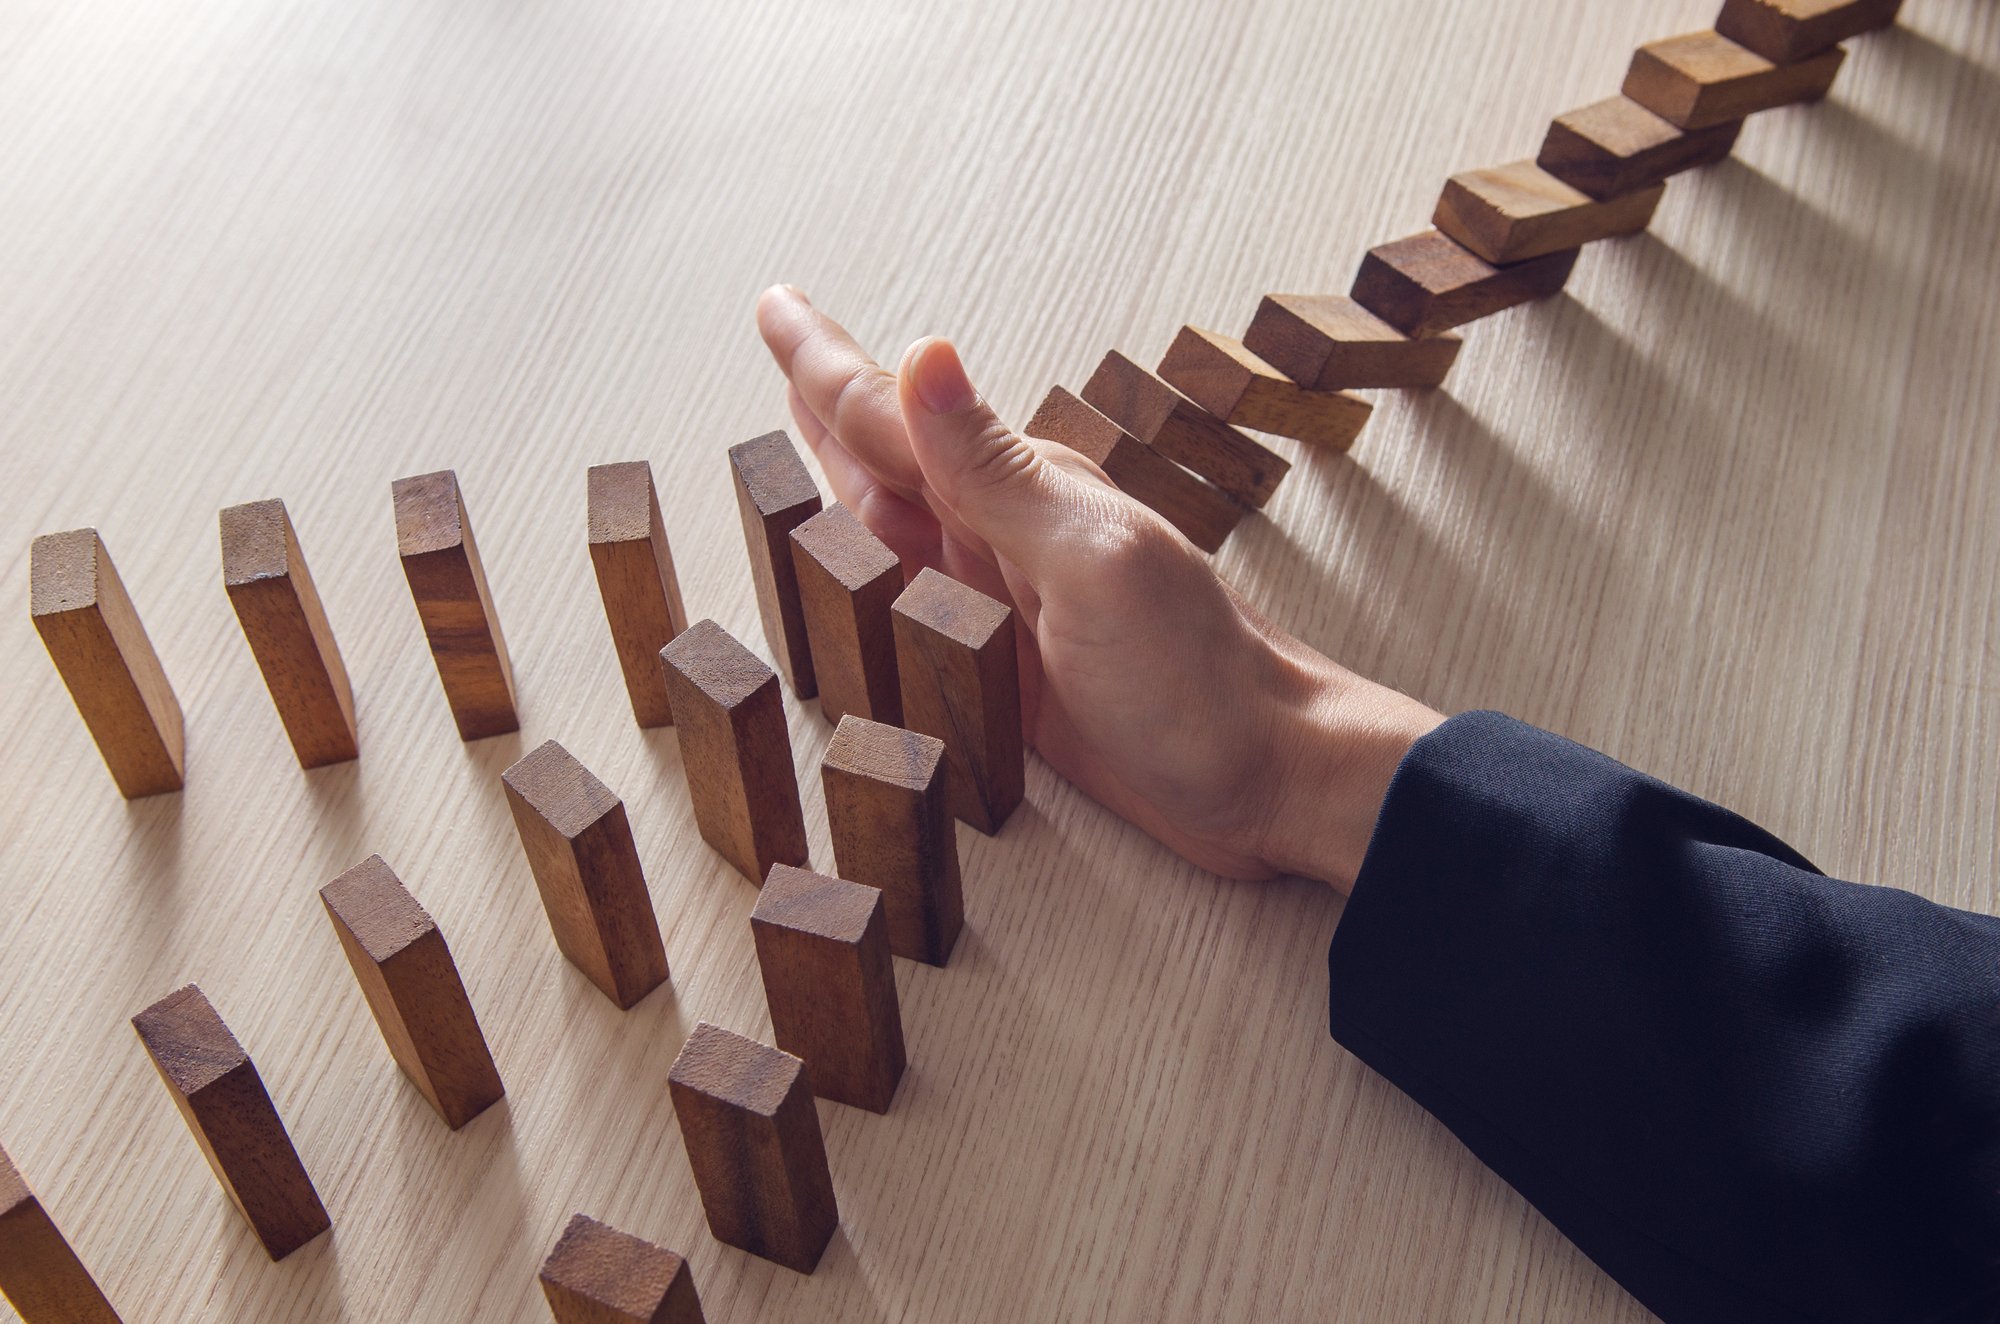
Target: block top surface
<point>257,542</point>
<point>1129,395</point>
<point>376,908</point>
<point>718,666</point>
<point>613,1268</point>
<point>885,753</point>
<point>1062,417</point>
<point>1521,188</point>
<point>188,1039</point>
<point>1338,318</point>
<point>560,789</point>
<point>1434,260</point>
<point>1707,56</point>
<point>430,514</point>
<point>816,903</point>
<point>770,470</point>
<point>1213,345</point>
<point>63,570</point>
<point>842,543</point>
<point>1620,124</point>
<point>723,1065</point>
<point>14,1190</point>
<point>621,501</point>
<point>957,611</point>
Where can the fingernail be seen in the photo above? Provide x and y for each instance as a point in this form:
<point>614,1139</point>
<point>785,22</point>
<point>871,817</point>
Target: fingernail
<point>798,294</point>
<point>940,379</point>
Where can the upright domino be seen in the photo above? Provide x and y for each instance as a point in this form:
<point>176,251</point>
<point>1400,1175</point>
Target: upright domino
<point>1787,31</point>
<point>1221,375</point>
<point>1518,211</point>
<point>1327,342</point>
<point>1702,79</point>
<point>42,1277</point>
<point>847,580</point>
<point>1183,431</point>
<point>955,653</point>
<point>1616,147</point>
<point>441,561</point>
<point>599,1275</point>
<point>1426,283</point>
<point>774,495</point>
<point>892,828</point>
<point>1202,513</point>
<point>635,577</point>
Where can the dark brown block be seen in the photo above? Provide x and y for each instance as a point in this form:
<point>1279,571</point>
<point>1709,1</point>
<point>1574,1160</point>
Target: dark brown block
<point>1703,79</point>
<point>736,751</point>
<point>1201,512</point>
<point>1183,431</point>
<point>1616,146</point>
<point>406,972</point>
<point>635,577</point>
<point>892,829</point>
<point>823,949</point>
<point>216,1086</point>
<point>1787,31</point>
<point>774,495</point>
<point>1222,376</point>
<point>579,846</point>
<point>753,1140</point>
<point>101,651</point>
<point>43,1279</point>
<point>1513,212</point>
<point>599,1275</point>
<point>1427,283</point>
<point>847,580</point>
<point>955,651</point>
<point>1328,341</point>
<point>441,561</point>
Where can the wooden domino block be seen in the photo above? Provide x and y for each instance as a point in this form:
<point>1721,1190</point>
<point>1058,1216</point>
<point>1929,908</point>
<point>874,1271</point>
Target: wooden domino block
<point>1787,31</point>
<point>42,1277</point>
<point>441,561</point>
<point>1427,283</point>
<point>264,572</point>
<point>1327,341</point>
<point>1518,211</point>
<point>1184,432</point>
<point>753,1140</point>
<point>599,1275</point>
<point>1703,79</point>
<point>1616,146</point>
<point>1202,513</point>
<point>848,578</point>
<point>736,751</point>
<point>635,577</point>
<point>955,652</point>
<point>101,651</point>
<point>892,828</point>
<point>823,949</point>
<point>221,1097</point>
<point>1222,376</point>
<point>580,849</point>
<point>406,972</point>
<point>774,495</point>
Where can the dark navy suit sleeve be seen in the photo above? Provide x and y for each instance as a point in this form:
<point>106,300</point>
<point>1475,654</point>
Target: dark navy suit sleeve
<point>1748,1091</point>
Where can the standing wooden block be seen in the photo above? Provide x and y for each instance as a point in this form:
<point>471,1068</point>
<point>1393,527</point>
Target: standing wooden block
<point>216,1086</point>
<point>1787,31</point>
<point>580,849</point>
<point>848,578</point>
<point>1513,212</point>
<point>955,651</point>
<point>736,751</point>
<point>635,577</point>
<point>406,972</point>
<point>753,1140</point>
<point>823,949</point>
<point>265,574</point>
<point>434,538</point>
<point>892,828</point>
<point>42,1277</point>
<point>101,651</point>
<point>1616,146</point>
<point>1327,341</point>
<point>1703,79</point>
<point>1222,376</point>
<point>599,1275</point>
<point>1183,431</point>
<point>1426,283</point>
<point>774,495</point>
<point>1201,512</point>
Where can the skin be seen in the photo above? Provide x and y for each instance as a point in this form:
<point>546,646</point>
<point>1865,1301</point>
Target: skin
<point>1146,680</point>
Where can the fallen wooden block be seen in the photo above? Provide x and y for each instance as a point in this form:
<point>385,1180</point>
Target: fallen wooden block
<point>736,751</point>
<point>1787,31</point>
<point>1427,283</point>
<point>580,849</point>
<point>1703,79</point>
<point>635,577</point>
<point>753,1140</point>
<point>1225,378</point>
<point>406,972</point>
<point>847,580</point>
<point>599,1275</point>
<point>892,829</point>
<point>42,1277</point>
<point>434,539</point>
<point>1327,341</point>
<point>1201,512</point>
<point>100,649</point>
<point>1183,431</point>
<point>1614,147</point>
<point>955,652</point>
<point>1518,211</point>
<point>774,495</point>
<point>823,950</point>
<point>221,1097</point>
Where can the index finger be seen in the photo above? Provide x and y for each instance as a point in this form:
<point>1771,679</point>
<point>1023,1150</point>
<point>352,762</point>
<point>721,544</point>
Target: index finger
<point>851,395</point>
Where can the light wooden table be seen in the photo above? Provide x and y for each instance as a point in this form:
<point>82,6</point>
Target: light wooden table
<point>1730,510</point>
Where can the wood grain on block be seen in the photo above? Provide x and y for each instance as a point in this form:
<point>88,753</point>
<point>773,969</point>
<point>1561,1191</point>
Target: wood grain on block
<point>441,561</point>
<point>599,1275</point>
<point>635,577</point>
<point>1787,31</point>
<point>1183,431</point>
<point>736,751</point>
<point>823,950</point>
<point>101,651</point>
<point>1428,283</point>
<point>406,972</point>
<point>955,653</point>
<point>580,849</point>
<point>1222,376</point>
<point>774,495</point>
<point>41,1276</point>
<point>1513,212</point>
<point>1703,79</point>
<point>1326,342</point>
<point>892,828</point>
<point>753,1140</point>
<point>848,579</point>
<point>1616,146</point>
<point>221,1097</point>
<point>265,574</point>
<point>1202,513</point>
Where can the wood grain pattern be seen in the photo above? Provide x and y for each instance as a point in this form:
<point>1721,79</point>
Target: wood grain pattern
<point>961,675</point>
<point>448,582</point>
<point>41,1276</point>
<point>1191,436</point>
<point>1327,342</point>
<point>635,577</point>
<point>599,1275</point>
<point>1786,31</point>
<point>1219,374</point>
<point>1616,146</point>
<point>1701,79</point>
<point>1427,283</point>
<point>774,495</point>
<point>892,828</point>
<point>848,579</point>
<point>1517,211</point>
